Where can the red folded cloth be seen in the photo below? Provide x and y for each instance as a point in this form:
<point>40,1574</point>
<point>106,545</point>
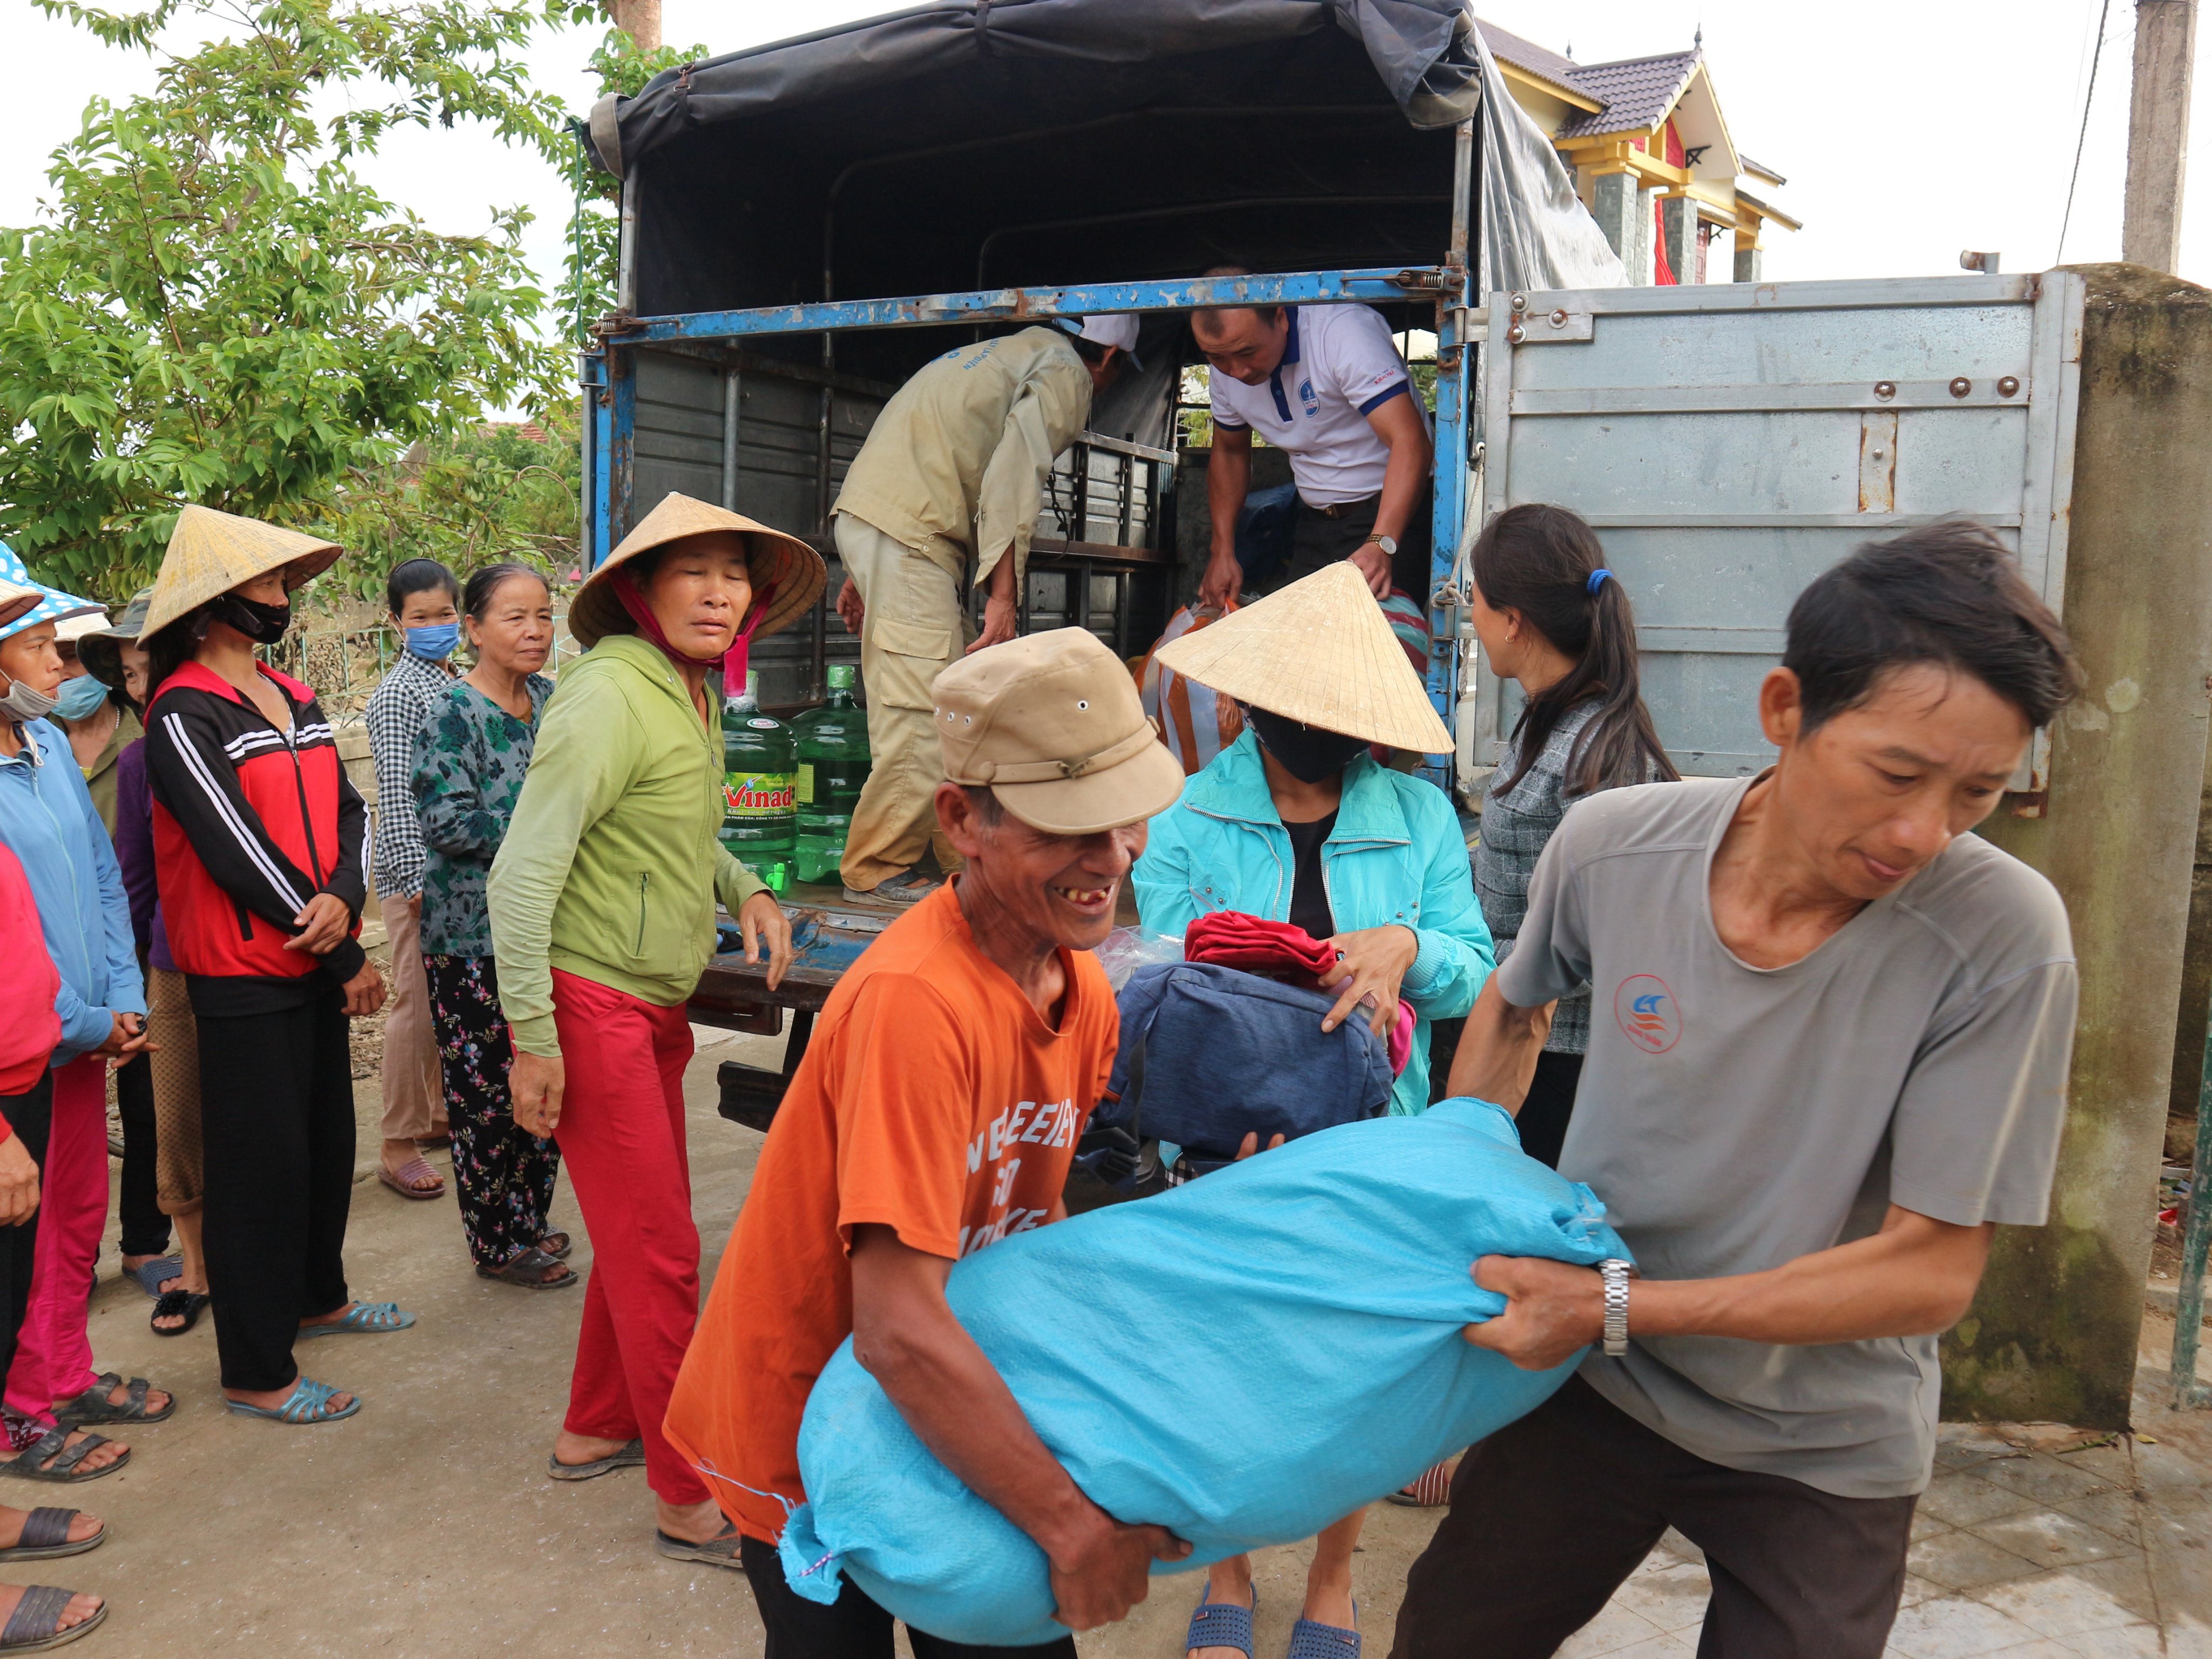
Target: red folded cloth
<point>1279,950</point>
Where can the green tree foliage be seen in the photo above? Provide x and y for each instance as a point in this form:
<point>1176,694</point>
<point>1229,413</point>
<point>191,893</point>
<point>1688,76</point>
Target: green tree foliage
<point>218,310</point>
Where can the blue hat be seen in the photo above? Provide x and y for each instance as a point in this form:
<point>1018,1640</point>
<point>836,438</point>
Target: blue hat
<point>53,604</point>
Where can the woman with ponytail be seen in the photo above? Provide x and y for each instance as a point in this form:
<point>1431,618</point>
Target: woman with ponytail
<point>1550,616</point>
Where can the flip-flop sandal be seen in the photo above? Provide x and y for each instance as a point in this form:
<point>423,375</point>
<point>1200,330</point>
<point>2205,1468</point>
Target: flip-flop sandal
<point>556,1245</point>
<point>173,1304</point>
<point>46,1536</point>
<point>309,1404</point>
<point>1430,1489</point>
<point>30,1464</point>
<point>36,1623</point>
<point>152,1275</point>
<point>720,1551</point>
<point>93,1406</point>
<point>527,1269</point>
<point>1309,1640</point>
<point>631,1456</point>
<point>402,1180</point>
<point>364,1319</point>
<point>1221,1624</point>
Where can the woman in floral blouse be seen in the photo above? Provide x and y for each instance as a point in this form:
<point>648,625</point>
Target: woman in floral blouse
<point>470,759</point>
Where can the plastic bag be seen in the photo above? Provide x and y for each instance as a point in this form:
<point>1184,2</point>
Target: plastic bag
<point>1194,722</point>
<point>1242,1360</point>
<point>1128,949</point>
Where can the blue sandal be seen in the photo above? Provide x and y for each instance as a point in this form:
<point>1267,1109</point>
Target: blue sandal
<point>366,1319</point>
<point>1221,1624</point>
<point>310,1404</point>
<point>1309,1640</point>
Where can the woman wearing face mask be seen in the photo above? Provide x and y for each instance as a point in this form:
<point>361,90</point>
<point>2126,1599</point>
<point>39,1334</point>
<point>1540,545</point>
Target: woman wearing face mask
<point>470,761</point>
<point>257,842</point>
<point>602,910</point>
<point>1551,618</point>
<point>47,820</point>
<point>173,1065</point>
<point>1296,822</point>
<point>425,601</point>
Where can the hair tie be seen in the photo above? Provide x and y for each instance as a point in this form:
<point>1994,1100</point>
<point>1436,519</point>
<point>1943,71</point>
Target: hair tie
<point>1596,581</point>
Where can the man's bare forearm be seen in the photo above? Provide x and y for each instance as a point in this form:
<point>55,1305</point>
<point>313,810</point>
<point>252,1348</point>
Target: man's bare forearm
<point>952,1397</point>
<point>1498,1048</point>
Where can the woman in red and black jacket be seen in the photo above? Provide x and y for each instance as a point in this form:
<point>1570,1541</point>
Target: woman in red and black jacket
<point>259,846</point>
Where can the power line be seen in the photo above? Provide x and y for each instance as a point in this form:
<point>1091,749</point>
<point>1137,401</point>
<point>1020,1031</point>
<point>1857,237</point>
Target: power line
<point>2088,103</point>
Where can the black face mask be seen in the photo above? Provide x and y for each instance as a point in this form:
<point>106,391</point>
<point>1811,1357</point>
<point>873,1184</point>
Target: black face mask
<point>264,624</point>
<point>1311,754</point>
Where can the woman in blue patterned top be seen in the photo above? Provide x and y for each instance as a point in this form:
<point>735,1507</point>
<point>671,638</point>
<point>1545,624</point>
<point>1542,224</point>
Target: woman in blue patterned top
<point>1552,616</point>
<point>470,759</point>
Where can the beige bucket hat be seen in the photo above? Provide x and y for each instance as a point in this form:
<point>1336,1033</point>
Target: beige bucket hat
<point>1053,725</point>
<point>1318,652</point>
<point>771,557</point>
<point>210,553</point>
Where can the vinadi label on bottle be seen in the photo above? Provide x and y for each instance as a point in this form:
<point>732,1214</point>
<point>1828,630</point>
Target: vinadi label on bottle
<point>758,794</point>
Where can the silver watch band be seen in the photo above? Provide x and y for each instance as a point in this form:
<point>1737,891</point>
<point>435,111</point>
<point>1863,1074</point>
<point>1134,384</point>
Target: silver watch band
<point>1614,1272</point>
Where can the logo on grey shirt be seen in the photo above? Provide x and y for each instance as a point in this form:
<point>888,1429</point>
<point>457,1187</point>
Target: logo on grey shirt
<point>1645,1011</point>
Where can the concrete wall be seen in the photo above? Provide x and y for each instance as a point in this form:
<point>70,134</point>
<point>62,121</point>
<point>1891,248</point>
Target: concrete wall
<point>2052,1335</point>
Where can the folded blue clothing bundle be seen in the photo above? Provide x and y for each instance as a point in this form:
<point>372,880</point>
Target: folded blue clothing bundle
<point>1242,1360</point>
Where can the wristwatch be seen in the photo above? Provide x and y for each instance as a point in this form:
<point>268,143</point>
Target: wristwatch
<point>1388,544</point>
<point>1614,1272</point>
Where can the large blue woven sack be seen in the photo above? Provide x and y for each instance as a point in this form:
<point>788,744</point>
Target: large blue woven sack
<point>1242,1360</point>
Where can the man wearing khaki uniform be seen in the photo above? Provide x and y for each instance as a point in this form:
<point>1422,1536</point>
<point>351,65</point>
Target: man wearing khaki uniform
<point>955,463</point>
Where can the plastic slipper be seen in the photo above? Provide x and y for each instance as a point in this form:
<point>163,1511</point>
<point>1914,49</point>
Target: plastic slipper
<point>1221,1624</point>
<point>364,1319</point>
<point>631,1456</point>
<point>36,1625</point>
<point>556,1245</point>
<point>31,1462</point>
<point>310,1404</point>
<point>1430,1489</point>
<point>1309,1640</point>
<point>152,1275</point>
<point>526,1268</point>
<point>413,1169</point>
<point>188,1304</point>
<point>93,1406</point>
<point>720,1551</point>
<point>46,1536</point>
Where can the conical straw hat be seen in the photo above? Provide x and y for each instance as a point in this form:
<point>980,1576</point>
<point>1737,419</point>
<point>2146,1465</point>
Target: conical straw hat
<point>1317,652</point>
<point>211,552</point>
<point>771,557</point>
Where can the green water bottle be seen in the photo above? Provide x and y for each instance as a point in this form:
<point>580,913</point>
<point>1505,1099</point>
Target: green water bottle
<point>760,762</point>
<point>833,768</point>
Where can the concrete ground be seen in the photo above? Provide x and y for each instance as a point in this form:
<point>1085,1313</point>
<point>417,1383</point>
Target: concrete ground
<point>425,1526</point>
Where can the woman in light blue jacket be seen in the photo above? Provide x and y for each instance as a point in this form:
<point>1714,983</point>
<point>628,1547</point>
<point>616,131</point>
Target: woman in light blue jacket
<point>1296,822</point>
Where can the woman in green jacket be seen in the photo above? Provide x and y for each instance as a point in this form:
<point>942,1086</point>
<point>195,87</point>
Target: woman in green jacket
<point>602,905</point>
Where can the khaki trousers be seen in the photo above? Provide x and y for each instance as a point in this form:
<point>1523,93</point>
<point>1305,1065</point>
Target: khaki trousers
<point>414,1093</point>
<point>178,1184</point>
<point>913,628</point>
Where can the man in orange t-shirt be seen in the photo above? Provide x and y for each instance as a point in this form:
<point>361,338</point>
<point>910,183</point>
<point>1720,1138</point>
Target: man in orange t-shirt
<point>935,1114</point>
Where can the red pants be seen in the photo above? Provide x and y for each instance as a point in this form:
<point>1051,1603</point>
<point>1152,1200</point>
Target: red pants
<point>53,1355</point>
<point>621,1137</point>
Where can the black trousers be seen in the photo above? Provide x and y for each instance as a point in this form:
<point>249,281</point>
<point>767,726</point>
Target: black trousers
<point>145,1229</point>
<point>1324,535</point>
<point>1550,1515</point>
<point>1543,1115</point>
<point>30,1114</point>
<point>276,1126</point>
<point>853,1627</point>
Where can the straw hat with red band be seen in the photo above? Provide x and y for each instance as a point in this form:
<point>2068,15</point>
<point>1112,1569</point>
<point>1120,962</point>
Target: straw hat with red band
<point>788,575</point>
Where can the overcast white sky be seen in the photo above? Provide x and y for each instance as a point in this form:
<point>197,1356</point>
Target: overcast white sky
<point>1908,129</point>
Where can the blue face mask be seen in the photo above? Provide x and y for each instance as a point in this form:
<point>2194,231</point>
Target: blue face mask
<point>80,698</point>
<point>434,644</point>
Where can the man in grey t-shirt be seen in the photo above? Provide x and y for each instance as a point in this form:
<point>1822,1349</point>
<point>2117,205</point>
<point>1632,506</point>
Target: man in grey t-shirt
<point>1829,1032</point>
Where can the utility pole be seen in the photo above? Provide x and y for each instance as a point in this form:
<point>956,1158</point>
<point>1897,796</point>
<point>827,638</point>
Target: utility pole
<point>641,21</point>
<point>2158,132</point>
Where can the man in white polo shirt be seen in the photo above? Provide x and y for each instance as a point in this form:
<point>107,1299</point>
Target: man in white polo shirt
<point>1325,384</point>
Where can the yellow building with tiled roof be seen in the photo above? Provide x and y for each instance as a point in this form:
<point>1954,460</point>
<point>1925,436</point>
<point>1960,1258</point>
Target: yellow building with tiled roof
<point>1652,158</point>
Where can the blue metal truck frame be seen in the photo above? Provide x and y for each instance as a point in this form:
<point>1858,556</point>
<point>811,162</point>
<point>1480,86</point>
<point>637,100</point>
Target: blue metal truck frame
<point>609,378</point>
